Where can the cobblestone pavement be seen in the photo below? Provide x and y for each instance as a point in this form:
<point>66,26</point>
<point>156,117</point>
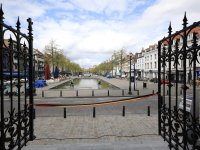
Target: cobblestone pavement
<point>76,129</point>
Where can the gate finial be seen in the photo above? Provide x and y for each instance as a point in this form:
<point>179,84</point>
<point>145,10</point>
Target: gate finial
<point>18,24</point>
<point>30,23</point>
<point>10,42</point>
<point>170,28</point>
<point>1,13</point>
<point>185,21</point>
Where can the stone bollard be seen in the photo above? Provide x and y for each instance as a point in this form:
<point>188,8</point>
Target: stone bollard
<point>77,93</point>
<point>123,111</point>
<point>65,115</point>
<point>61,93</point>
<point>92,92</point>
<point>94,112</point>
<point>148,111</point>
<point>42,93</point>
<point>123,92</point>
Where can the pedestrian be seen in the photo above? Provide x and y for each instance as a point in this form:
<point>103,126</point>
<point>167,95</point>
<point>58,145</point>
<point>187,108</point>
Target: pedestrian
<point>71,83</point>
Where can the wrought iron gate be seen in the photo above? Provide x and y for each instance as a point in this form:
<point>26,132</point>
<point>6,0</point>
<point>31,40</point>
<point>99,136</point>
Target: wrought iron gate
<point>178,89</point>
<point>16,90</point>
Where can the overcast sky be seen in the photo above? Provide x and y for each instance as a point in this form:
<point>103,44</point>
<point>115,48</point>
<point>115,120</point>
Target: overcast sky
<point>90,30</point>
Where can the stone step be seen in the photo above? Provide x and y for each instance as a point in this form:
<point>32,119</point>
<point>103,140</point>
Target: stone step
<point>125,145</point>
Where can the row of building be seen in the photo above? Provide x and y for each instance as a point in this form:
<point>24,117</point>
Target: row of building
<point>145,63</point>
<point>38,60</point>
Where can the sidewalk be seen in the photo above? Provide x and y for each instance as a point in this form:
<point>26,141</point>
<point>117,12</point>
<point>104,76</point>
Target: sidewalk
<point>102,132</point>
<point>124,84</point>
<point>102,128</point>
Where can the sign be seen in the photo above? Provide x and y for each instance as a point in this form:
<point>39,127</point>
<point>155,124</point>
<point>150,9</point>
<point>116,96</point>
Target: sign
<point>132,79</point>
<point>198,73</point>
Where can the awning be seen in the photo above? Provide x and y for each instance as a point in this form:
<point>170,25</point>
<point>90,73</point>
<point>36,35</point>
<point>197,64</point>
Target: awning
<point>14,74</point>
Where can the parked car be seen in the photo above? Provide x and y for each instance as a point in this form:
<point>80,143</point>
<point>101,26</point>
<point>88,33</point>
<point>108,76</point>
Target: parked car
<point>139,78</point>
<point>155,80</point>
<point>14,81</point>
<point>123,76</point>
<point>23,80</point>
<point>109,76</point>
<point>165,81</point>
<point>145,79</point>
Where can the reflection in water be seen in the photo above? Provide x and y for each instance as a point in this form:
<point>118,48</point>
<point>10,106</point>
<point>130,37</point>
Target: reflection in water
<point>85,84</point>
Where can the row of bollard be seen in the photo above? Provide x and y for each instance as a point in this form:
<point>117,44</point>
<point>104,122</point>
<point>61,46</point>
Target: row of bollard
<point>77,94</point>
<point>181,92</point>
<point>123,112</point>
<point>167,93</point>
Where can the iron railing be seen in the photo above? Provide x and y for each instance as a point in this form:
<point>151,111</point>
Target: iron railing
<point>16,72</point>
<point>178,56</point>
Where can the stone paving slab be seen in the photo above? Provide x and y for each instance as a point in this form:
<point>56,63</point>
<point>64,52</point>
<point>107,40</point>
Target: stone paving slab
<point>149,145</point>
<point>73,129</point>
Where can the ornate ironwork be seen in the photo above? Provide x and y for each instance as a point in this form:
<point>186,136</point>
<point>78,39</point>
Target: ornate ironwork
<point>16,90</point>
<point>178,56</point>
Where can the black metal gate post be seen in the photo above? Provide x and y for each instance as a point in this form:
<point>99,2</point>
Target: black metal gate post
<point>159,89</point>
<point>178,115</point>
<point>2,126</point>
<point>30,40</point>
<point>17,104</point>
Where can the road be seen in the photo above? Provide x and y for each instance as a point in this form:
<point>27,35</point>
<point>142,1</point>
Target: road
<point>133,107</point>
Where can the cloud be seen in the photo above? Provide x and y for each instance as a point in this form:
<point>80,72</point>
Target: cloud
<point>22,8</point>
<point>97,6</point>
<point>90,30</point>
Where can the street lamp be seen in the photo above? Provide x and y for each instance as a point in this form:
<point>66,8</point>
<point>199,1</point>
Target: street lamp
<point>34,70</point>
<point>134,77</point>
<point>130,57</point>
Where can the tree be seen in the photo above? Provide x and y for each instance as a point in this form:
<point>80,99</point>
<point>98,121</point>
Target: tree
<point>51,52</point>
<point>55,57</point>
<point>117,58</point>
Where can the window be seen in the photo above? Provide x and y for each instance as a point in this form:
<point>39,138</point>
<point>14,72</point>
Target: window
<point>155,65</point>
<point>155,56</point>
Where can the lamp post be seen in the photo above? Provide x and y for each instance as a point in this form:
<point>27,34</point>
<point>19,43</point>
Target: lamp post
<point>134,78</point>
<point>52,54</point>
<point>34,70</point>
<point>130,57</point>
<point>34,75</point>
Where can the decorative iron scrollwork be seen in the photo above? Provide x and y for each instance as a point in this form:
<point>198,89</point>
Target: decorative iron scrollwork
<point>179,125</point>
<point>16,125</point>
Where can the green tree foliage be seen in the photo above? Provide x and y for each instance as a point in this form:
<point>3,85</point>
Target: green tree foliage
<point>55,57</point>
<point>117,58</point>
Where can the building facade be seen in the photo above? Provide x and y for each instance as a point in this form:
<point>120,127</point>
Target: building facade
<point>147,63</point>
<point>39,64</point>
